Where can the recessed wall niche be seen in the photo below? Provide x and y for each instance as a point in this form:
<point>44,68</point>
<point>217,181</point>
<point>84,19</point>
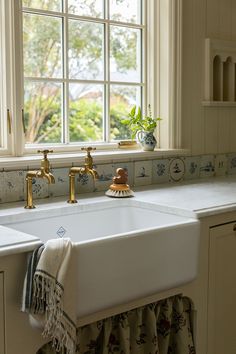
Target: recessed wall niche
<point>220,72</point>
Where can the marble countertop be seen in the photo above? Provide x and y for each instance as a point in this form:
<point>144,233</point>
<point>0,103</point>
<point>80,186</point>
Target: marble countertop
<point>12,241</point>
<point>197,198</point>
<point>194,199</point>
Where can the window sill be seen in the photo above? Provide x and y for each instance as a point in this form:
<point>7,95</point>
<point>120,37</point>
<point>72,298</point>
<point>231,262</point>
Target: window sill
<point>69,159</point>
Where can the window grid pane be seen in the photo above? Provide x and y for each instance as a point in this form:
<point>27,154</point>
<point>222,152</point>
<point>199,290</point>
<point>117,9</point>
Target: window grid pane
<point>85,50</point>
<point>88,8</point>
<point>122,99</point>
<point>125,64</point>
<point>42,43</point>
<point>111,56</point>
<point>48,5</point>
<point>43,112</point>
<point>86,113</point>
<point>125,11</point>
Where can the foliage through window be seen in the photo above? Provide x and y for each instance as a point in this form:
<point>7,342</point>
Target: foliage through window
<point>83,69</point>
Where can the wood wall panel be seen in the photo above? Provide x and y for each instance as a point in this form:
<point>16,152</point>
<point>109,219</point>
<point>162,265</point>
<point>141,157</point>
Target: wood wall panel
<point>187,84</point>
<point>205,129</point>
<point>211,130</point>
<point>225,19</point>
<point>198,132</point>
<point>224,129</point>
<point>213,18</point>
<point>2,315</point>
<point>233,20</point>
<point>232,137</point>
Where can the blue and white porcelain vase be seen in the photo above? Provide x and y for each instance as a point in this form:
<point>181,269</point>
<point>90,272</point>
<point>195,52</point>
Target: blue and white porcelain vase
<point>147,140</point>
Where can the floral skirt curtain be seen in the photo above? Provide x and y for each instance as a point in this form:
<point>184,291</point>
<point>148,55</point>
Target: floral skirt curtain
<point>163,327</point>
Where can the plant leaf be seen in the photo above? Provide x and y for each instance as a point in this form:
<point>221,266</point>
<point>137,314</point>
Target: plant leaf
<point>133,110</point>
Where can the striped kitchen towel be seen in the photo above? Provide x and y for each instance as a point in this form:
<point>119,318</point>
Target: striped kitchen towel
<point>47,292</point>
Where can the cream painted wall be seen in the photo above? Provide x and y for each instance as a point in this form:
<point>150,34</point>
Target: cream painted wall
<point>206,130</point>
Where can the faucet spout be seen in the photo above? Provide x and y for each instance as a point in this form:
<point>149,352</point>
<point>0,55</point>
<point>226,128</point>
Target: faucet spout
<point>86,169</point>
<point>50,178</point>
<point>44,173</point>
<point>93,173</point>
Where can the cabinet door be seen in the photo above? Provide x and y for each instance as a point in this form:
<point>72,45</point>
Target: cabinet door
<point>2,337</point>
<point>222,290</point>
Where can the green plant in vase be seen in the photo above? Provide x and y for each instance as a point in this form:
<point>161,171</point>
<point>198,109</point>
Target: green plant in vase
<point>142,127</point>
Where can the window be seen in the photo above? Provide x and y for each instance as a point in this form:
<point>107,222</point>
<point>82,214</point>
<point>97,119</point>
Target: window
<point>5,95</point>
<point>83,69</point>
<point>2,103</point>
<point>71,69</point>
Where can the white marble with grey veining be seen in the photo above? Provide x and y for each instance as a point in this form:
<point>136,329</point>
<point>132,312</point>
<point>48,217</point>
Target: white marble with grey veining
<point>193,199</point>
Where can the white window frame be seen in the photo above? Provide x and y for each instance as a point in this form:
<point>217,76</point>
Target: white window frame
<point>6,99</point>
<point>104,145</point>
<point>162,76</point>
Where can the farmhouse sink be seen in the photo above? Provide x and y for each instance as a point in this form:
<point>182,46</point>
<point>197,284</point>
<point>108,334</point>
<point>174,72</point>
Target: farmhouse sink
<point>127,249</point>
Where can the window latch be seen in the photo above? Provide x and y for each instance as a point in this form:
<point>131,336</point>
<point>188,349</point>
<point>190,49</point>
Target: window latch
<point>23,121</point>
<point>9,122</point>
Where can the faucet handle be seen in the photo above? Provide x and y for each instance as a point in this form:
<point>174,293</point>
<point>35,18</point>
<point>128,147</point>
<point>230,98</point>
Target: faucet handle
<point>45,153</point>
<point>88,149</point>
<point>88,158</point>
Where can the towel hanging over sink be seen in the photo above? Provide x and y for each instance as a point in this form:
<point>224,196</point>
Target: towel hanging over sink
<point>51,287</point>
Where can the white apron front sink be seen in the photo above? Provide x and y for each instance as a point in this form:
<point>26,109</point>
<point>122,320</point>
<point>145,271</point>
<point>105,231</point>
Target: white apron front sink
<point>126,248</point>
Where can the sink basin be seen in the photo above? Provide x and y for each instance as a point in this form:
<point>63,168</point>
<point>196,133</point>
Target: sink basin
<point>127,249</point>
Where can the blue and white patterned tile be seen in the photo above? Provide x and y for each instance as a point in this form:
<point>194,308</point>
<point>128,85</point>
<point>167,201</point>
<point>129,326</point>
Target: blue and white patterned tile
<point>192,167</point>
<point>129,167</point>
<point>231,164</point>
<point>39,187</point>
<point>177,169</point>
<point>13,184</point>
<point>85,184</point>
<point>106,172</point>
<point>207,166</point>
<point>160,171</point>
<point>142,173</point>
<point>61,186</point>
<point>2,190</point>
<point>221,163</point>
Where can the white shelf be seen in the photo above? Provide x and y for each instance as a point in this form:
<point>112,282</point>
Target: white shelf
<point>219,103</point>
<point>220,72</point>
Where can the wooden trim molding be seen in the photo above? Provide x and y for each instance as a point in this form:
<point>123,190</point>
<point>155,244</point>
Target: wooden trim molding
<point>170,73</point>
<point>175,78</point>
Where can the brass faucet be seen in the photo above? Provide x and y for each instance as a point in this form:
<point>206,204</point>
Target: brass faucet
<point>44,172</point>
<point>86,169</point>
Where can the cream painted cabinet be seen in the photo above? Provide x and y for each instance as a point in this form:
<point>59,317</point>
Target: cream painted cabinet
<point>2,336</point>
<point>222,290</point>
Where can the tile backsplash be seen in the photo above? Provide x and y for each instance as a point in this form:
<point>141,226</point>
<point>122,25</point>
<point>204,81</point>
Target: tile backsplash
<point>140,173</point>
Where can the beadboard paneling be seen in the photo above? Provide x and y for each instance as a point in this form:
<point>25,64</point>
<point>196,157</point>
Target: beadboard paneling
<point>213,18</point>
<point>224,129</point>
<point>211,130</point>
<point>205,129</point>
<point>233,20</point>
<point>187,84</point>
<point>225,19</point>
<point>198,133</point>
<point>232,136</point>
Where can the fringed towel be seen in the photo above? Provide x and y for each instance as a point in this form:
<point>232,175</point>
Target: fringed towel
<point>47,293</point>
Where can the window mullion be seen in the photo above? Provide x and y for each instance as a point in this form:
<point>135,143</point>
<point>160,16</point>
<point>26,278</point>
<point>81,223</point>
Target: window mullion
<point>17,76</point>
<point>3,88</point>
<point>66,76</point>
<point>107,76</point>
<point>143,57</point>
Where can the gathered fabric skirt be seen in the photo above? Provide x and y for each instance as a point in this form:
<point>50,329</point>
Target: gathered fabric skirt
<point>163,327</point>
